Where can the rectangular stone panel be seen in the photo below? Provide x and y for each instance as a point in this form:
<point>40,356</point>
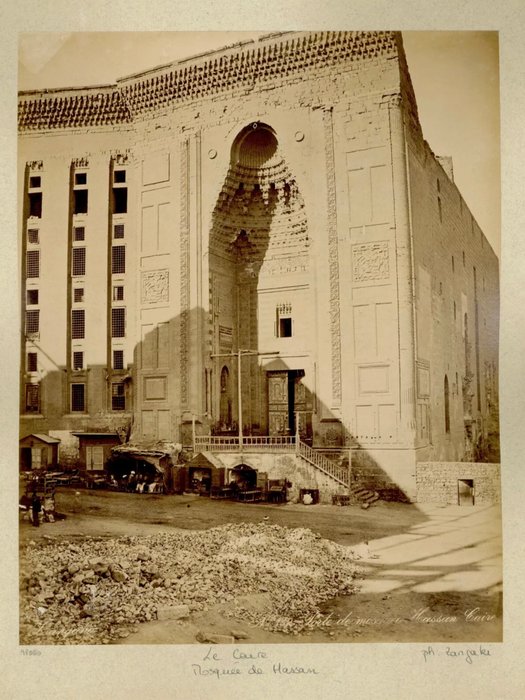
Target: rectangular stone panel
<point>164,226</point>
<point>423,382</point>
<point>373,380</point>
<point>364,423</point>
<point>163,421</point>
<point>364,331</point>
<point>148,346</point>
<point>163,345</point>
<point>387,422</point>
<point>149,423</point>
<point>155,388</point>
<point>148,230</point>
<point>386,331</point>
<point>156,168</point>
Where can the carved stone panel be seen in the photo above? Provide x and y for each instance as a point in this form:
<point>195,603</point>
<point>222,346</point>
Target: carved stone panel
<point>370,261</point>
<point>155,286</point>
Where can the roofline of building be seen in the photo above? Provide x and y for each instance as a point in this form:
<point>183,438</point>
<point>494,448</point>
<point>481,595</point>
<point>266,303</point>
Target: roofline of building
<point>270,39</point>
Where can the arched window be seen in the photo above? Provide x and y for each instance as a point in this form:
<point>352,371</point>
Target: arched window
<point>225,399</point>
<point>447,406</point>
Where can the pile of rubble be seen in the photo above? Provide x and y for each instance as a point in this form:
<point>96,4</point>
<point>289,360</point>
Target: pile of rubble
<point>97,591</point>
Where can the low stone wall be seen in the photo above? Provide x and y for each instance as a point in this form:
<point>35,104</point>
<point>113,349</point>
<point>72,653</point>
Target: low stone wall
<point>437,482</point>
<point>286,466</point>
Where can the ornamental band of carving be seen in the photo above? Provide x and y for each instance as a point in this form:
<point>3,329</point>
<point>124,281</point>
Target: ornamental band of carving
<point>184,271</point>
<point>333,258</point>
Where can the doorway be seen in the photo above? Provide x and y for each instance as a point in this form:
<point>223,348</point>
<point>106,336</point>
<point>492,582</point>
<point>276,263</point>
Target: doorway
<point>288,397</point>
<point>466,492</point>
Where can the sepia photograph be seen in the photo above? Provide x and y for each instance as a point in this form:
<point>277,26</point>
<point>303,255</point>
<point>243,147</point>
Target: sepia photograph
<point>260,312</point>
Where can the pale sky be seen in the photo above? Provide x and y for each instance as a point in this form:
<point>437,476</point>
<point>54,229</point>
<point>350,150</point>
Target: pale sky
<point>455,77</point>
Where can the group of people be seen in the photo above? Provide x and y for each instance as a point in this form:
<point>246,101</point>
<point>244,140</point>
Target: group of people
<point>137,483</point>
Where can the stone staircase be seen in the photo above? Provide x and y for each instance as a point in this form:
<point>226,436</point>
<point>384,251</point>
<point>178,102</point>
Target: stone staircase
<point>339,474</point>
<point>364,496</point>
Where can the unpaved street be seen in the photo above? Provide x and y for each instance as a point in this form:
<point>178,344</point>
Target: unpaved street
<point>430,573</point>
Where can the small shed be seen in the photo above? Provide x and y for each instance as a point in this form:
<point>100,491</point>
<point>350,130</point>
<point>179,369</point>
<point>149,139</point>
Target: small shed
<point>154,464</point>
<point>38,451</point>
<point>95,449</point>
<point>202,473</point>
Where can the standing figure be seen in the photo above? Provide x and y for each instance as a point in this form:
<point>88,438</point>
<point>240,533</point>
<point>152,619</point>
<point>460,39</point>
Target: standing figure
<point>36,506</point>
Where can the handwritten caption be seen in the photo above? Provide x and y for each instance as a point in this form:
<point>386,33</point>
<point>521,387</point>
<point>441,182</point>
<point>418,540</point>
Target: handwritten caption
<point>468,654</point>
<point>238,662</point>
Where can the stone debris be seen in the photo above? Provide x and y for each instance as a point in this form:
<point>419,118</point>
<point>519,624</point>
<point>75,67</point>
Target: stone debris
<point>172,612</point>
<point>207,638</point>
<point>98,591</point>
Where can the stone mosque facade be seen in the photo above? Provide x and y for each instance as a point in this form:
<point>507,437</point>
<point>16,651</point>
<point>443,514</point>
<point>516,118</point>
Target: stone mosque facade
<point>260,230</point>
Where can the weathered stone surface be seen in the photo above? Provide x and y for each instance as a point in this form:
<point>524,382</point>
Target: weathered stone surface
<point>204,568</point>
<point>172,612</point>
<point>212,638</point>
<point>239,634</point>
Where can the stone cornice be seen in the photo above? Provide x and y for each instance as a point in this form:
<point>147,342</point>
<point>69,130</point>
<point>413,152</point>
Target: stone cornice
<point>273,59</point>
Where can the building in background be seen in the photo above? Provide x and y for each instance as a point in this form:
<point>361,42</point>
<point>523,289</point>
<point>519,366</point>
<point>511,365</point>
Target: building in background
<point>261,230</point>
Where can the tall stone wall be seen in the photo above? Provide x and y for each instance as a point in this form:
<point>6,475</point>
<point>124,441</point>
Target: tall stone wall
<point>437,482</point>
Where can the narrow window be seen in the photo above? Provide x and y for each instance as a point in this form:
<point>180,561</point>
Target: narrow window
<point>120,200</point>
<point>118,322</point>
<point>455,311</point>
<point>447,405</point>
<point>35,204</point>
<point>32,236</point>
<point>118,231</point>
<point>78,295</point>
<point>118,259</point>
<point>32,297</point>
<point>79,233</point>
<point>32,398</point>
<point>78,360</point>
<point>464,259</point>
<point>78,324</point>
<point>118,293</point>
<point>452,263</point>
<point>118,397</point>
<point>79,262</point>
<point>440,208</point>
<point>78,397</point>
<point>284,326</point>
<point>118,359</point>
<point>80,201</point>
<point>32,322</point>
<point>32,362</point>
<point>33,263</point>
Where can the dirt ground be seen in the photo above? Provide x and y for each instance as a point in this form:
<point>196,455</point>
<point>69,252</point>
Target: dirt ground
<point>430,573</point>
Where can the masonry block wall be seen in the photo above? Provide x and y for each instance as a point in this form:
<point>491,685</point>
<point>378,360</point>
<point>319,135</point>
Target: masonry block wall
<point>456,315</point>
<point>442,482</point>
<point>281,199</point>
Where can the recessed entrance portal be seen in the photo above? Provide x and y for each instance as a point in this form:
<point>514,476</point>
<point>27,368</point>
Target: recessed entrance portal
<point>259,232</point>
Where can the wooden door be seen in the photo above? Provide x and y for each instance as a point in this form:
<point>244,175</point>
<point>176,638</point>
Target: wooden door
<point>278,416</point>
<point>302,408</point>
<point>95,457</point>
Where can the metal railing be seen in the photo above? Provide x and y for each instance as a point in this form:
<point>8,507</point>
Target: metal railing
<point>319,461</point>
<point>220,443</point>
<point>277,443</point>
